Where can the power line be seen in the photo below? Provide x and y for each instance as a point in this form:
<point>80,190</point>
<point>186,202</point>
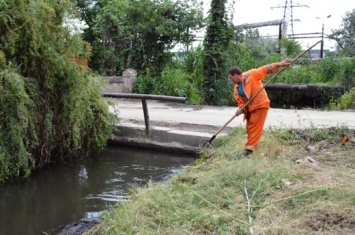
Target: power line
<point>302,35</point>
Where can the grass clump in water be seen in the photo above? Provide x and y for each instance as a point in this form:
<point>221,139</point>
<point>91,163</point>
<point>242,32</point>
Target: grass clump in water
<point>268,193</point>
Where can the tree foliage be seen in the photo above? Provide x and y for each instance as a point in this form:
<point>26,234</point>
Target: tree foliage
<point>217,38</point>
<point>51,108</point>
<point>139,33</point>
<point>345,35</point>
<point>14,122</point>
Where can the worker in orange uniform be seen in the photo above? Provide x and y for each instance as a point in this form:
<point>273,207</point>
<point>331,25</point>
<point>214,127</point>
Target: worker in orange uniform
<point>246,85</point>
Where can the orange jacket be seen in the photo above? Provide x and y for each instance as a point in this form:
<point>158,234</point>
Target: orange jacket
<point>251,82</point>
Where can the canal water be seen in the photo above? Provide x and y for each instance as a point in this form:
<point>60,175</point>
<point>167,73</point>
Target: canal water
<point>62,194</point>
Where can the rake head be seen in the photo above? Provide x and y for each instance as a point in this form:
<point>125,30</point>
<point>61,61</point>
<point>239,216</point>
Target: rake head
<point>206,144</point>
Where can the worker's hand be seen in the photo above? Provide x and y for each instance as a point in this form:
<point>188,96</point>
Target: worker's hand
<point>239,111</point>
<point>286,62</point>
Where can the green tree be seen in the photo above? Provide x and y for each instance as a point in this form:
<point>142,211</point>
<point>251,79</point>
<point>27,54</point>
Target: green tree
<point>88,10</point>
<point>52,109</point>
<point>139,33</point>
<point>345,35</point>
<point>216,90</point>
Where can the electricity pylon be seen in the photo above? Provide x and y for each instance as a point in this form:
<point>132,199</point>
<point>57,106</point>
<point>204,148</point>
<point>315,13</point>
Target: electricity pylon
<point>288,13</point>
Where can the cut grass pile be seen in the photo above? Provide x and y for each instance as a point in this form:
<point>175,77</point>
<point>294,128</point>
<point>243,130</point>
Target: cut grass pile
<point>297,182</point>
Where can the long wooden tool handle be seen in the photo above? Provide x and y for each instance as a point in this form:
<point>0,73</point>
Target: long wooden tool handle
<point>215,135</point>
<point>271,79</point>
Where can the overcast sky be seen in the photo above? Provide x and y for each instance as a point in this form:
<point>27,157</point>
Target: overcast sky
<point>304,11</point>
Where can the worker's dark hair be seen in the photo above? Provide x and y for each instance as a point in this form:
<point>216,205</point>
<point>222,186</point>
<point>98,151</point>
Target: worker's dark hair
<point>235,71</point>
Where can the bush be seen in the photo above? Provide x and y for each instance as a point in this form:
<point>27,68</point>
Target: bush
<point>346,74</point>
<point>52,109</point>
<point>345,102</point>
<point>145,84</point>
<point>173,82</point>
<point>328,68</point>
<point>300,74</point>
<point>193,64</point>
<point>15,116</point>
<point>337,70</point>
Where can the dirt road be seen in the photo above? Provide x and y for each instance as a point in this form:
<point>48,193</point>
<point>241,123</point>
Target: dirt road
<point>164,113</point>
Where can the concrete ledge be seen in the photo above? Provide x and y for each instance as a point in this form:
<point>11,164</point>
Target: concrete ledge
<point>162,138</point>
<point>168,147</point>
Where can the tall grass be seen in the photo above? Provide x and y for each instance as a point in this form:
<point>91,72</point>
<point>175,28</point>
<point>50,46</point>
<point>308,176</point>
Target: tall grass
<point>182,77</point>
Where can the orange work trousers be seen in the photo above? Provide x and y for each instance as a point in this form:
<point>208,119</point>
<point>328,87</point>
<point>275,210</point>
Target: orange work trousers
<point>255,125</point>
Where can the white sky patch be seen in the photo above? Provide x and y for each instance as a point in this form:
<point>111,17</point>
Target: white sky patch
<point>74,25</point>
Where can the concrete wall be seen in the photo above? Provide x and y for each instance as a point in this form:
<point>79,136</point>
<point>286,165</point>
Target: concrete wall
<point>167,139</point>
<point>121,84</point>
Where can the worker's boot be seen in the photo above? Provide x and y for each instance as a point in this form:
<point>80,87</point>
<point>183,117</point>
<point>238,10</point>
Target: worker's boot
<point>248,152</point>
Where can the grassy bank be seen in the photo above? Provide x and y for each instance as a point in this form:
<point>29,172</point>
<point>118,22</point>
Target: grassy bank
<point>276,191</point>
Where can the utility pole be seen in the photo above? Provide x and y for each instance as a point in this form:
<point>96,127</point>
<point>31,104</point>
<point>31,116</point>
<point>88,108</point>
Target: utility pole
<point>322,42</point>
<point>288,12</point>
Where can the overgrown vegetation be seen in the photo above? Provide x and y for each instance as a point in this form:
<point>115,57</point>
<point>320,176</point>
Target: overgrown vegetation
<point>345,102</point>
<point>183,78</point>
<point>345,34</point>
<point>15,160</point>
<point>297,182</point>
<point>52,109</point>
<point>137,33</point>
<point>216,41</point>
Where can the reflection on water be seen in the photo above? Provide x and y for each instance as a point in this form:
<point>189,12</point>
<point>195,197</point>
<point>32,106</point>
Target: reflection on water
<point>62,194</point>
